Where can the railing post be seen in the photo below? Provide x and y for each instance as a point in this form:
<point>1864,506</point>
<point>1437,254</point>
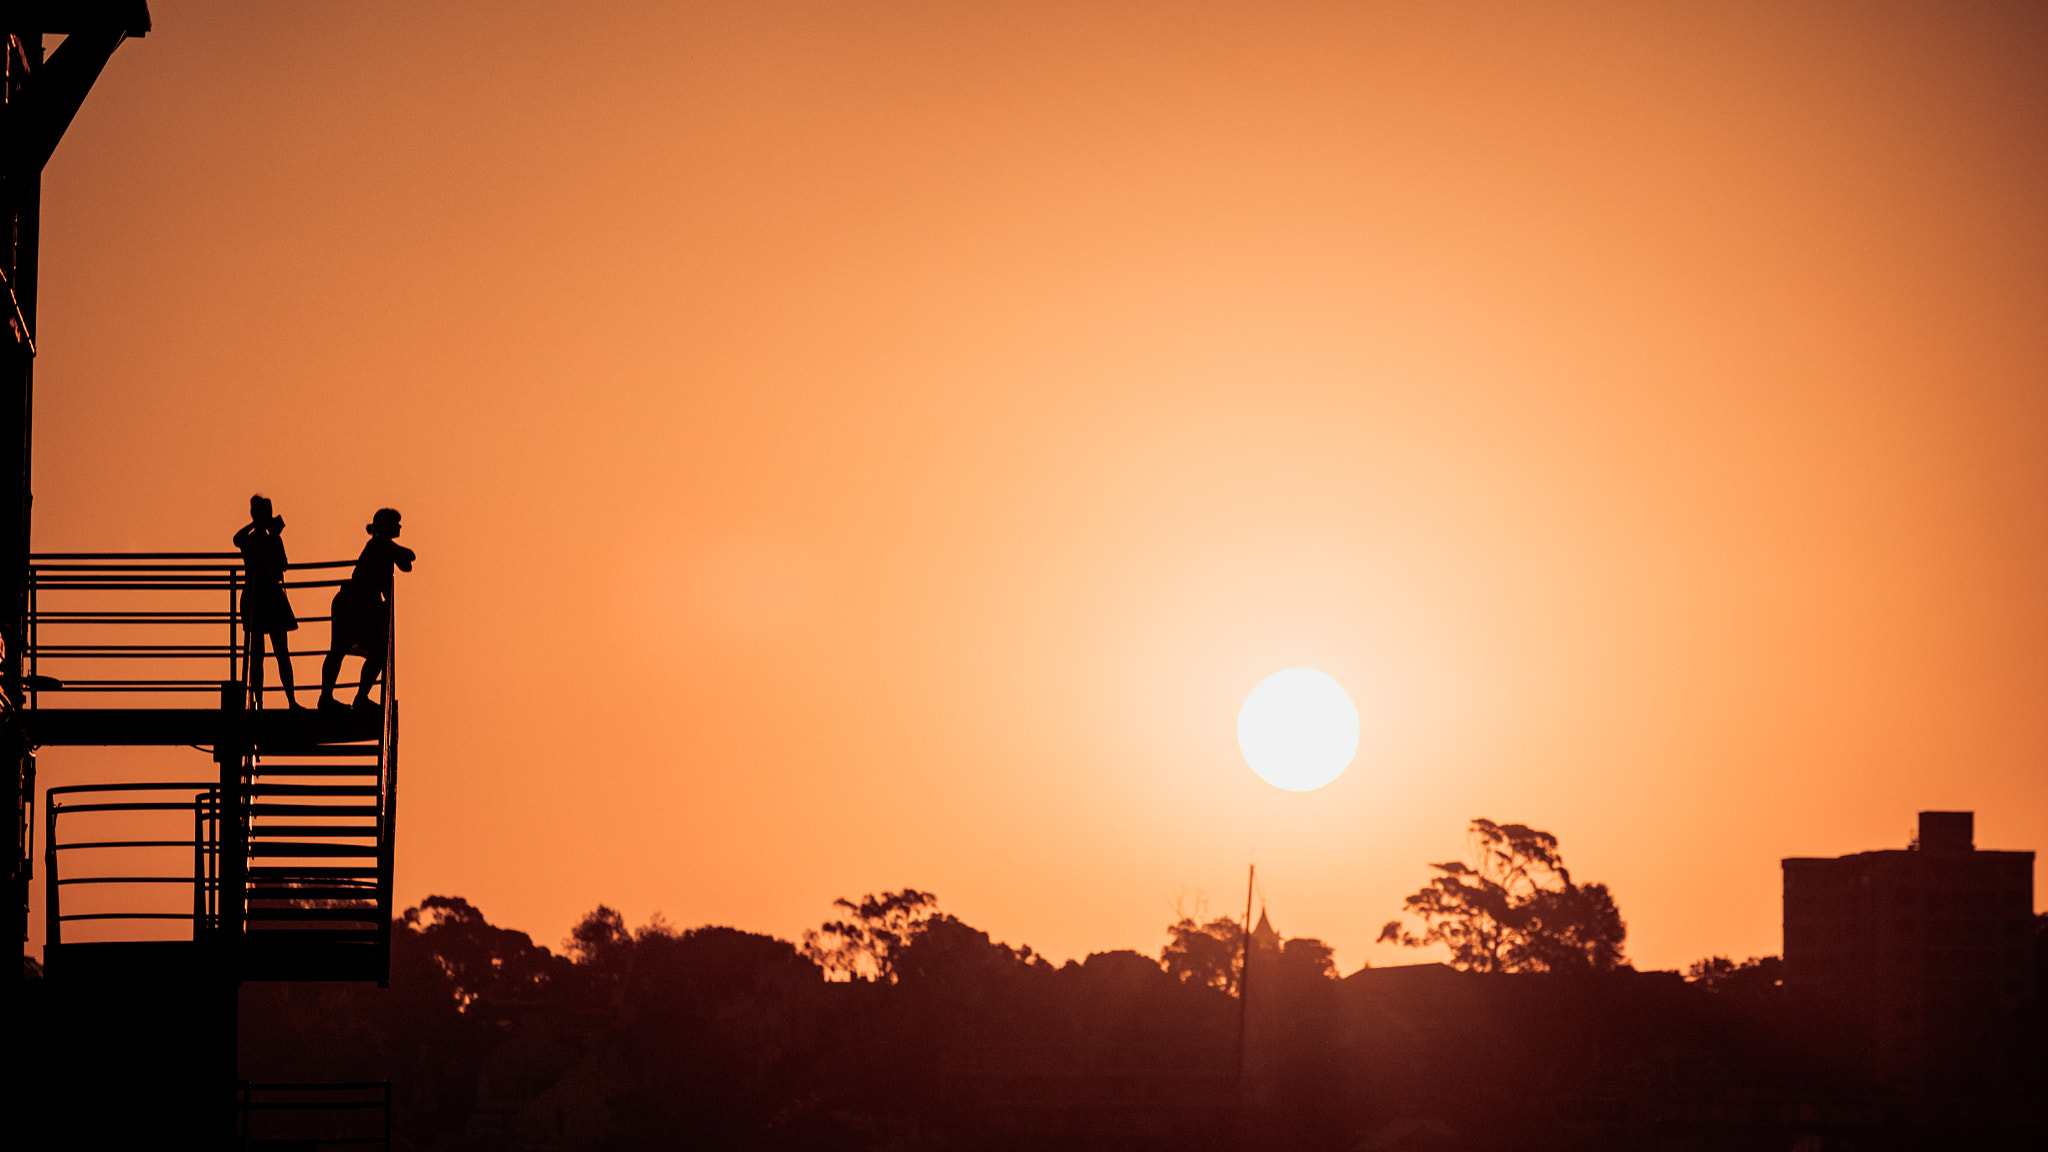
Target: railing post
<point>53,919</point>
<point>206,867</point>
<point>231,751</point>
<point>387,781</point>
<point>237,675</point>
<point>199,868</point>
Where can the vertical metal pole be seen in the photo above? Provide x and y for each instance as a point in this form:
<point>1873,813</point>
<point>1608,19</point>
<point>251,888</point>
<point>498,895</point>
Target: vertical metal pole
<point>199,868</point>
<point>387,781</point>
<point>225,976</point>
<point>53,923</point>
<point>237,674</point>
<point>205,868</point>
<point>21,187</point>
<point>1244,980</point>
<point>213,864</point>
<point>229,752</point>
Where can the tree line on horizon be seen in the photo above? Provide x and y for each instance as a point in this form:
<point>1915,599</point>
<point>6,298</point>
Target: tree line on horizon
<point>1513,908</point>
<point>896,1025</point>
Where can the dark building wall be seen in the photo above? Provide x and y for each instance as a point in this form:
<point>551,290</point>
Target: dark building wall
<point>1919,953</point>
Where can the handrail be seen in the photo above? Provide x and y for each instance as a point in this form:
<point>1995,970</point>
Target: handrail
<point>259,889</point>
<point>163,786</point>
<point>228,559</point>
<point>205,891</point>
<point>144,555</point>
<point>139,624</point>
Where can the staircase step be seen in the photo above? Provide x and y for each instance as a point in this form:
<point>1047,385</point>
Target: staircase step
<point>313,830</point>
<point>312,790</point>
<point>366,892</point>
<point>323,750</point>
<point>365,915</point>
<point>290,849</point>
<point>288,875</point>
<point>316,770</point>
<point>313,935</point>
<point>313,810</point>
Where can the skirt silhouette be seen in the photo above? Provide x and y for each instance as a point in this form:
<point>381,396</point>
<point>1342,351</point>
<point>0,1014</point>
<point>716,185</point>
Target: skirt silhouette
<point>266,609</point>
<point>361,622</point>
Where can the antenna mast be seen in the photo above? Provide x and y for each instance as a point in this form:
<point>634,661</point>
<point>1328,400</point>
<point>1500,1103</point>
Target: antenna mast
<point>1244,974</point>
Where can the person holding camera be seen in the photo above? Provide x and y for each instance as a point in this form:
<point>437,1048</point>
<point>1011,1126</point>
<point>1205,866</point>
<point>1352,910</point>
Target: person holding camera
<point>266,608</point>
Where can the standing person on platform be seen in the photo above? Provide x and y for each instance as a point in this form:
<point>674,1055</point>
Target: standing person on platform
<point>266,608</point>
<point>362,610</point>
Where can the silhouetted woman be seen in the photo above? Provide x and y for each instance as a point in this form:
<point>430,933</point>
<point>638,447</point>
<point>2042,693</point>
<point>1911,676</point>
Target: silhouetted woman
<point>266,609</point>
<point>362,609</point>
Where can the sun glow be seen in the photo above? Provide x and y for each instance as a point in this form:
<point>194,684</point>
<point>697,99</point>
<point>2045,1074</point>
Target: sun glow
<point>1298,729</point>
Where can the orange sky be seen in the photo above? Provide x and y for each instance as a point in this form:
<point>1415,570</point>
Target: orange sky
<point>857,445</point>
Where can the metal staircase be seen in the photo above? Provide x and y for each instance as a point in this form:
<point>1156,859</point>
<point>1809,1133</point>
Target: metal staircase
<point>318,895</point>
<point>286,855</point>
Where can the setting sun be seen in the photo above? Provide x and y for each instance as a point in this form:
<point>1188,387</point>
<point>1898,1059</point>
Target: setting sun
<point>1298,729</point>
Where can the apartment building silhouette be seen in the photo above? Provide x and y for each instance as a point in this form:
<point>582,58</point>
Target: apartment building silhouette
<point>1922,954</point>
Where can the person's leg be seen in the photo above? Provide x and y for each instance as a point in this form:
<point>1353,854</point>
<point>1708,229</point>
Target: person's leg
<point>337,646</point>
<point>252,661</point>
<point>330,671</point>
<point>373,621</point>
<point>280,645</point>
<point>373,667</point>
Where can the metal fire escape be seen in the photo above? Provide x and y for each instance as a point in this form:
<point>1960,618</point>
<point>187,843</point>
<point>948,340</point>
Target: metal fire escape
<point>162,897</point>
<point>280,863</point>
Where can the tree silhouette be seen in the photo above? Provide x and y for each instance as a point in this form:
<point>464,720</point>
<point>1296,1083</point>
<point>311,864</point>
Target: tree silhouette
<point>944,948</point>
<point>1758,979</point>
<point>601,947</point>
<point>1515,908</point>
<point>1209,954</point>
<point>866,945</point>
<point>1308,956</point>
<point>478,958</point>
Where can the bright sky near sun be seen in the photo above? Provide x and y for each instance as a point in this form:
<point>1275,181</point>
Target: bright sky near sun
<point>1298,729</point>
<point>863,445</point>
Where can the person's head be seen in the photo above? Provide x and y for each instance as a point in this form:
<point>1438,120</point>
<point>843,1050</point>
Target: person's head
<point>259,508</point>
<point>384,523</point>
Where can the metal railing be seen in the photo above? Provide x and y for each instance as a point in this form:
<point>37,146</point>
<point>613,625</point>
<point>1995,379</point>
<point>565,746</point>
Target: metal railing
<point>316,852</point>
<point>142,624</point>
<point>314,1114</point>
<point>304,839</point>
<point>201,812</point>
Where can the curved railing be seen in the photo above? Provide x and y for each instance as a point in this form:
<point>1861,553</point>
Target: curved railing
<point>144,827</point>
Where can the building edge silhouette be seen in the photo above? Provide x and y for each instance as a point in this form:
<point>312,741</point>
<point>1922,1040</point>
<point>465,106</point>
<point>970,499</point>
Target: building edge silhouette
<point>1919,955</point>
